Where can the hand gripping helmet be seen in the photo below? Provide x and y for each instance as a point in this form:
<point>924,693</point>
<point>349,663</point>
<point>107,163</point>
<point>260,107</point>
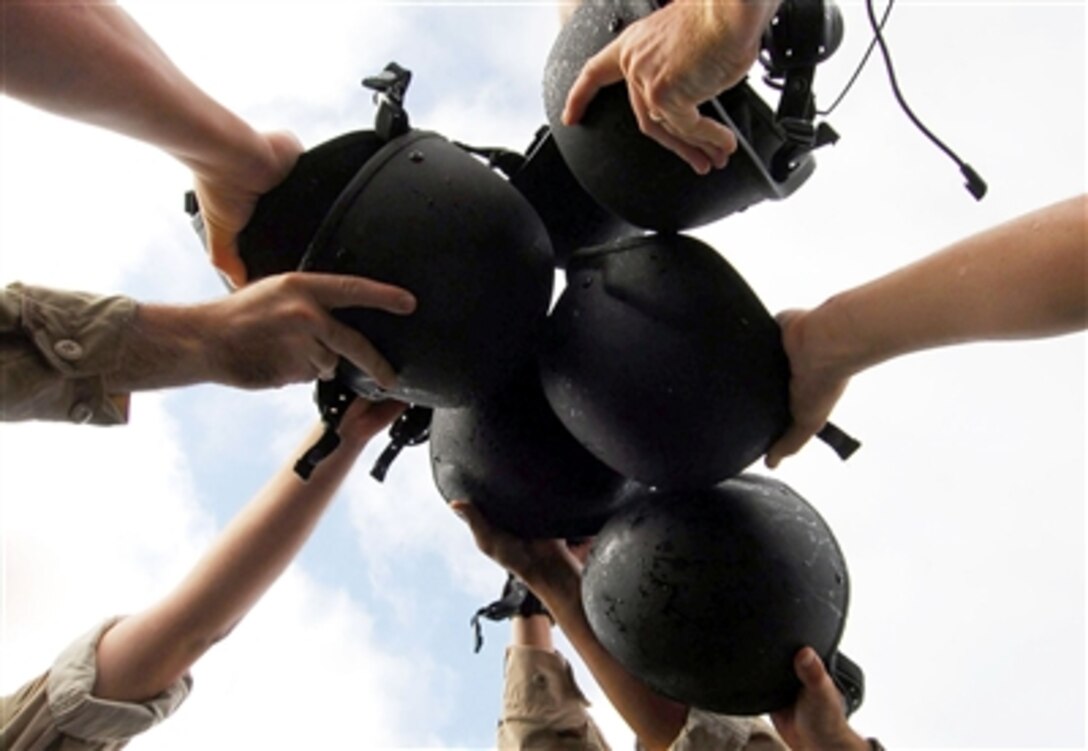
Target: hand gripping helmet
<point>512,458</point>
<point>410,208</point>
<point>648,185</point>
<point>707,595</point>
<point>661,361</point>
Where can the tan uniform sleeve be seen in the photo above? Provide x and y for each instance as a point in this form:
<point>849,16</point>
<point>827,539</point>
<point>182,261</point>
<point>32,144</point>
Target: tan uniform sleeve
<point>56,349</point>
<point>543,708</point>
<point>57,709</point>
<point>705,731</point>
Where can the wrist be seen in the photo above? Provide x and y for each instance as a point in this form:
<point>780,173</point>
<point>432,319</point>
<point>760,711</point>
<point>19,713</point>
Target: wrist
<point>736,28</point>
<point>163,346</point>
<point>234,156</point>
<point>558,586</point>
<point>831,342</point>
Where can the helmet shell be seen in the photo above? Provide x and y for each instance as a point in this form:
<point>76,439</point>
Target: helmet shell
<point>707,595</point>
<point>288,216</point>
<point>632,175</point>
<point>661,360</point>
<point>513,459</point>
<point>423,214</point>
<point>574,220</point>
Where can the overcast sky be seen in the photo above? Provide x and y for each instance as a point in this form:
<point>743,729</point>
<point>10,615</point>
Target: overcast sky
<point>962,517</point>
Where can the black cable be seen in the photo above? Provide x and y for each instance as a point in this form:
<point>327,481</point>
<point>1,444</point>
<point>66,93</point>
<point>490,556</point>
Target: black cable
<point>975,184</point>
<point>860,67</point>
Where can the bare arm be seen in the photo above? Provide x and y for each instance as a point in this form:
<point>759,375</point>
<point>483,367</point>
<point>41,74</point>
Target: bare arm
<point>91,62</point>
<point>1023,279</point>
<point>142,655</point>
<point>554,575</point>
<point>275,331</point>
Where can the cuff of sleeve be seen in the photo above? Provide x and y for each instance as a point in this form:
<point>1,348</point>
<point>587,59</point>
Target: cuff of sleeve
<point>81,715</point>
<point>710,730</point>
<point>82,339</point>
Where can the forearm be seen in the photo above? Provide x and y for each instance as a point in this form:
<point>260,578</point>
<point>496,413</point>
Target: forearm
<point>656,721</point>
<point>144,653</point>
<point>166,346</point>
<point>92,62</point>
<point>1023,279</point>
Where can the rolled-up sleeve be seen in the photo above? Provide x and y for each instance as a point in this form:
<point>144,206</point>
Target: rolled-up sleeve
<point>705,730</point>
<point>58,711</point>
<point>79,714</point>
<point>542,706</point>
<point>56,348</point>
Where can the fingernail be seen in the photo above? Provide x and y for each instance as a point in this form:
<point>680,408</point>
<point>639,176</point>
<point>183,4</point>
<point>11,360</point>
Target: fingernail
<point>406,303</point>
<point>807,658</point>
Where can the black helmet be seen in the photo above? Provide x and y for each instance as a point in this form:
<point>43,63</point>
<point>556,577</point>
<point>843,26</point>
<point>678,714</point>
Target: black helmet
<point>425,215</point>
<point>643,182</point>
<point>574,220</point>
<point>288,216</point>
<point>511,457</point>
<point>410,208</point>
<point>661,360</point>
<point>707,595</point>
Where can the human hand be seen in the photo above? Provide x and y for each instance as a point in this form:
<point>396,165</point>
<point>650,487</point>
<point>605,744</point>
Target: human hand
<point>279,330</point>
<point>815,383</point>
<point>540,563</point>
<point>227,201</point>
<point>817,719</point>
<point>364,419</point>
<point>673,60</point>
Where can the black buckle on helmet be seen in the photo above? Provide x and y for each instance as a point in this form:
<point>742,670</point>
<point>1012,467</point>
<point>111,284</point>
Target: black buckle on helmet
<point>390,87</point>
<point>412,428</point>
<point>333,399</point>
<point>802,34</point>
<point>849,678</point>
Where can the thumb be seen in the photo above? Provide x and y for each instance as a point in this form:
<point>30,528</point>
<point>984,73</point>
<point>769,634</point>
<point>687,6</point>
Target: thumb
<point>470,515</point>
<point>795,437</point>
<point>809,668</point>
<point>600,70</point>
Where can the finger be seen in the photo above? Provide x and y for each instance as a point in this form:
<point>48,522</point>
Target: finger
<point>783,317</point>
<point>357,349</point>
<point>708,135</point>
<point>286,146</point>
<point>324,361</point>
<point>224,255</point>
<point>481,529</point>
<point>694,157</point>
<point>365,418</point>
<point>342,291</point>
<point>809,668</point>
<point>792,441</point>
<point>599,71</point>
<point>686,124</point>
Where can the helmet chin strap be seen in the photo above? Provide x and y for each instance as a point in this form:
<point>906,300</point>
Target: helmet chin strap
<point>802,34</point>
<point>333,399</point>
